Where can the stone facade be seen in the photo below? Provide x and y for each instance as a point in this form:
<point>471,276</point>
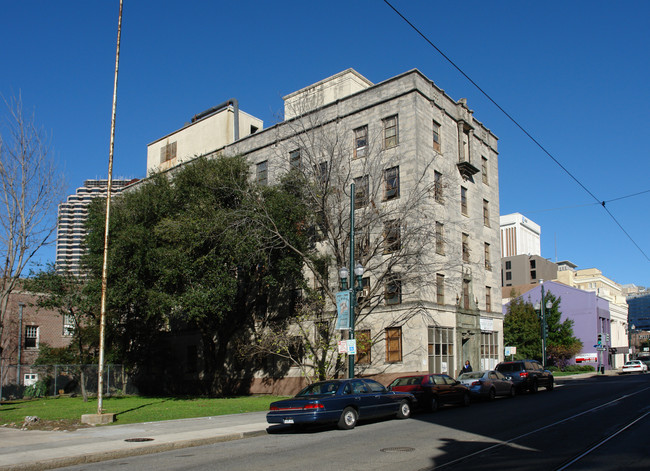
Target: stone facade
<point>406,123</point>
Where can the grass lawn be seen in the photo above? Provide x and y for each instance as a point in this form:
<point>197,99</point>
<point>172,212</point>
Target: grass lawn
<point>129,409</point>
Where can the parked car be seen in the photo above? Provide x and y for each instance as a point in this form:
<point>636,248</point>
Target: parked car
<point>432,390</point>
<point>527,375</point>
<point>341,401</point>
<point>634,366</point>
<point>487,384</point>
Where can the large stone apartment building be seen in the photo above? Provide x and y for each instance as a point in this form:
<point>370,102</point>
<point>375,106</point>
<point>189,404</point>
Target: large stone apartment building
<point>426,176</point>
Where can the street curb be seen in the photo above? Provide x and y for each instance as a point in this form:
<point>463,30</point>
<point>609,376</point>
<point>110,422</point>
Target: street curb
<point>126,453</point>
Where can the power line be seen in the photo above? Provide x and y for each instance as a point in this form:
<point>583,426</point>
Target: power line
<point>514,121</point>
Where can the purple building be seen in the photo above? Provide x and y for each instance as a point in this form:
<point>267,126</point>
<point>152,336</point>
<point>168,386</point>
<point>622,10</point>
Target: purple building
<point>590,315</point>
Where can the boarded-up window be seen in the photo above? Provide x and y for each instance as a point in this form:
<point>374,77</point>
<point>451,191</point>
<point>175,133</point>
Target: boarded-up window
<point>168,152</point>
<point>436,136</point>
<point>393,344</point>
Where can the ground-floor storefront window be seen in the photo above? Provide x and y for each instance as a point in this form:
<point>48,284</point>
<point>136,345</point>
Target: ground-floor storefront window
<point>441,350</point>
<point>489,350</point>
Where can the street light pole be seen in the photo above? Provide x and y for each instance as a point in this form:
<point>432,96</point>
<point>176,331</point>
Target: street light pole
<point>356,284</point>
<point>353,291</point>
<point>543,322</point>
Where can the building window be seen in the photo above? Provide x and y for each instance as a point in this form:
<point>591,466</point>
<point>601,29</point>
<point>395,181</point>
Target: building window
<point>392,237</point>
<point>508,265</point>
<point>463,200</point>
<point>390,132</point>
<point>533,274</point>
<point>364,347</point>
<point>362,244</point>
<point>440,288</point>
<point>441,350</point>
<point>393,291</point>
<point>393,344</point>
<point>31,336</point>
<point>436,137</point>
<point>486,253</point>
<point>391,183</point>
<point>486,213</point>
<point>262,172</point>
<point>360,142</point>
<point>437,186</point>
<point>484,169</point>
<point>361,192</point>
<point>321,172</point>
<point>68,325</point>
<point>488,299</point>
<point>465,247</point>
<point>508,275</point>
<point>322,334</point>
<point>440,238</point>
<point>489,350</point>
<point>294,159</point>
<point>168,152</point>
<point>532,264</point>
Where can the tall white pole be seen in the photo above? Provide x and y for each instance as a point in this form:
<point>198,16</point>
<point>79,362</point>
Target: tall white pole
<point>102,321</point>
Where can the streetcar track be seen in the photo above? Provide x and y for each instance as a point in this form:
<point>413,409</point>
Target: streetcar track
<point>600,443</point>
<point>510,441</point>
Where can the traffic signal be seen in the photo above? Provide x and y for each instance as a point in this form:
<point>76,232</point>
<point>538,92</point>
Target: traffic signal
<point>607,337</point>
<point>600,339</point>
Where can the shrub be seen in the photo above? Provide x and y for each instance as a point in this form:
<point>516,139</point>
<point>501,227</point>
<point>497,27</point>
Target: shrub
<point>38,389</point>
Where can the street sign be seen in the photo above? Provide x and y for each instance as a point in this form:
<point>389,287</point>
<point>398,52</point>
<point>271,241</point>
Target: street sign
<point>352,346</point>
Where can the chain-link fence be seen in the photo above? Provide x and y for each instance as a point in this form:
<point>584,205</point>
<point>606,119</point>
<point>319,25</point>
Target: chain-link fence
<point>52,380</point>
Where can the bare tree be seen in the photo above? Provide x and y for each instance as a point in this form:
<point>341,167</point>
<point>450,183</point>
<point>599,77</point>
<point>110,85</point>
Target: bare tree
<point>396,237</point>
<point>31,187</point>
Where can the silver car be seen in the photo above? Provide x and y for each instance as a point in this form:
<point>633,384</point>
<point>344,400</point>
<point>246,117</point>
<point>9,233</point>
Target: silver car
<point>487,384</point>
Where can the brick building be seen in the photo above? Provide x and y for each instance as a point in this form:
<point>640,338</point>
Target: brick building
<point>26,327</point>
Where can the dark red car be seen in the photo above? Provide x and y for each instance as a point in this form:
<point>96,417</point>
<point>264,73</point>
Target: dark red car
<point>432,390</point>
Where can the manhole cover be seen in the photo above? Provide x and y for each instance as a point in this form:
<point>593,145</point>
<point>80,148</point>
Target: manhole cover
<point>138,440</point>
<point>397,449</point>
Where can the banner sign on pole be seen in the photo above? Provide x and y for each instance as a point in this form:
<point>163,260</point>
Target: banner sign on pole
<point>343,310</point>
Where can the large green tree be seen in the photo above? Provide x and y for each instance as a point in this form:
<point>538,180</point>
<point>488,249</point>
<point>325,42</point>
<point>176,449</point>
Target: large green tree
<point>187,252</point>
<point>522,328</point>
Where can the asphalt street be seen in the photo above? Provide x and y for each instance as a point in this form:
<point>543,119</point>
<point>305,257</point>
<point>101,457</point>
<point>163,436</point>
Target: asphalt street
<point>594,423</point>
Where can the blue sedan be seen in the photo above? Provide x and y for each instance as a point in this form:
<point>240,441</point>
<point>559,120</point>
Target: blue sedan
<point>341,401</point>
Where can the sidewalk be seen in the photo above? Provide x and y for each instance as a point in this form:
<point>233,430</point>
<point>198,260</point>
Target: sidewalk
<point>37,450</point>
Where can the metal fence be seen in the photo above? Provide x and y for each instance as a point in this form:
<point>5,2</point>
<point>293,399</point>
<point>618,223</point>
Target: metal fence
<point>52,380</point>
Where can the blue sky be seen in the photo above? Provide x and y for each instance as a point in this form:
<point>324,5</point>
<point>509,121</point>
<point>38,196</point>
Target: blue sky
<point>573,74</point>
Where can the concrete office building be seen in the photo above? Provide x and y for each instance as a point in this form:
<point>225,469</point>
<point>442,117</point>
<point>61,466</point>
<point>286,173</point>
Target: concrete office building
<point>72,217</point>
<point>421,139</point>
<point>519,236</point>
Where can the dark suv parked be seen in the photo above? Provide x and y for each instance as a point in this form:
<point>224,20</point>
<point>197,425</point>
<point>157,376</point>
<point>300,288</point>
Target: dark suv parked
<point>527,375</point>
